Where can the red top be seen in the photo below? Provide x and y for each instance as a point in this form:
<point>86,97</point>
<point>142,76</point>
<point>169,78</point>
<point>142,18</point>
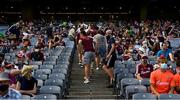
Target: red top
<point>87,43</point>
<point>144,71</point>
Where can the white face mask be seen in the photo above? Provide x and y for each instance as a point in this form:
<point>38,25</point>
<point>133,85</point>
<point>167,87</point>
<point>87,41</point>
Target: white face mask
<point>36,50</point>
<point>164,66</point>
<point>137,42</point>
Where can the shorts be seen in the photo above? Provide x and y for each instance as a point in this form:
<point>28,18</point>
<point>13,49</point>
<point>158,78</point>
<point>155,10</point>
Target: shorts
<point>101,51</point>
<point>88,57</point>
<point>110,63</point>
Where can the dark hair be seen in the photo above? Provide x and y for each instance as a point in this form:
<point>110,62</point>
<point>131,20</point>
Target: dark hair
<point>83,33</point>
<point>169,44</point>
<point>56,39</point>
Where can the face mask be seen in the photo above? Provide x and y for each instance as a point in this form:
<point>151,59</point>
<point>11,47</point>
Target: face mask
<point>36,50</point>
<point>164,66</point>
<point>4,88</point>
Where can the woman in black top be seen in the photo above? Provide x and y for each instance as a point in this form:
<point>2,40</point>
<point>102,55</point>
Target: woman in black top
<point>27,84</point>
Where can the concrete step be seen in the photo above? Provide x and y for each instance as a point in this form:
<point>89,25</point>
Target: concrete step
<point>96,89</point>
<point>87,97</point>
<point>90,97</point>
<point>80,93</point>
<point>91,89</point>
<point>85,86</point>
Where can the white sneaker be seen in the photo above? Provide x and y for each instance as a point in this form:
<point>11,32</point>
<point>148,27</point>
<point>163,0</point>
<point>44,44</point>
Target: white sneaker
<point>82,66</point>
<point>97,68</point>
<point>86,81</point>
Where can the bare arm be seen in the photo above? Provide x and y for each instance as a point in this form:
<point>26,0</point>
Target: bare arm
<point>112,49</point>
<point>31,92</point>
<point>171,57</point>
<point>154,90</point>
<point>171,90</point>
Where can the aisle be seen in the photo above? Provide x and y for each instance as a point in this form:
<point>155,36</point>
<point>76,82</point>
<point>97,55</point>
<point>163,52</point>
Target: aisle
<point>96,89</point>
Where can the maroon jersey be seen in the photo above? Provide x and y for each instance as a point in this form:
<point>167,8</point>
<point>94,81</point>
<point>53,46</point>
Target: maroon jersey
<point>87,43</point>
<point>144,71</point>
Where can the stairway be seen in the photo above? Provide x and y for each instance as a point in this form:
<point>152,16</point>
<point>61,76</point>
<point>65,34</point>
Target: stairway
<point>96,89</point>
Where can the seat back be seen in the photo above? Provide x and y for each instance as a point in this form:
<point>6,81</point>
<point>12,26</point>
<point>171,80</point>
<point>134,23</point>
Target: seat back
<point>142,96</point>
<point>56,90</point>
<point>132,89</point>
<point>169,96</point>
<point>44,97</point>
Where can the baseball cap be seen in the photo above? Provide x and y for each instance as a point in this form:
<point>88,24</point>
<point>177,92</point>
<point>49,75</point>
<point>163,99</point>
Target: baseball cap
<point>144,57</point>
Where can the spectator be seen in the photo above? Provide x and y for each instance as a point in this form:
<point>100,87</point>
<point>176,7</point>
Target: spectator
<point>177,55</point>
<point>160,80</point>
<point>40,42</point>
<point>59,41</point>
<point>143,70</point>
<point>12,71</point>
<point>166,52</point>
<point>87,44</point>
<point>72,33</point>
<point>5,91</point>
<point>21,58</point>
<point>110,59</point>
<point>160,61</point>
<point>144,48</point>
<point>175,84</point>
<point>37,55</point>
<point>100,46</point>
<point>27,84</point>
<point>15,29</point>
<point>156,47</point>
<point>2,62</point>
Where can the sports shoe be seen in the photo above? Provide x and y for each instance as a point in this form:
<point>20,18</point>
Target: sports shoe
<point>81,66</point>
<point>80,63</point>
<point>86,81</point>
<point>97,68</point>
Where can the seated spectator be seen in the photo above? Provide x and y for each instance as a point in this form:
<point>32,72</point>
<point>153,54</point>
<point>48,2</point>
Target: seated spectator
<point>40,43</point>
<point>37,55</point>
<point>21,59</point>
<point>58,41</point>
<point>12,71</point>
<point>144,48</point>
<point>166,52</point>
<point>5,91</point>
<point>143,70</point>
<point>160,80</point>
<point>50,43</point>
<point>27,84</point>
<point>26,42</point>
<point>156,46</point>
<point>175,84</point>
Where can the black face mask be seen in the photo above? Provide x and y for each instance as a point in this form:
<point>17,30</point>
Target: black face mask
<point>4,88</point>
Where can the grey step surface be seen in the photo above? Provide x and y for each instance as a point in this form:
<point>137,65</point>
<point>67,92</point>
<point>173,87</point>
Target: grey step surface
<point>96,89</point>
